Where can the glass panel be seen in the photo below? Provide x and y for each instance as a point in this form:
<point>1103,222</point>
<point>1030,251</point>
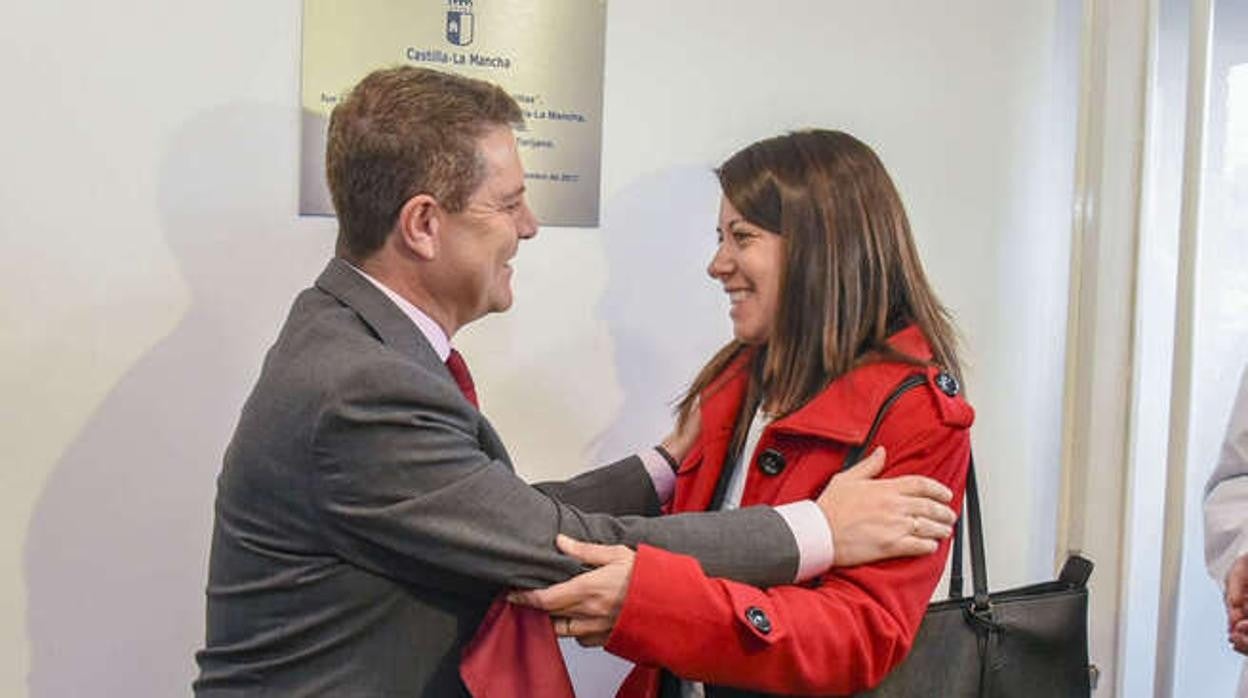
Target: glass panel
<point>1205,664</point>
<point>1155,300</point>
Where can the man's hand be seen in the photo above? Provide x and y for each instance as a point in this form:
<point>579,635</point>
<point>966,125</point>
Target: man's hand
<point>585,607</point>
<point>879,519</point>
<point>1236,599</point>
<point>684,434</point>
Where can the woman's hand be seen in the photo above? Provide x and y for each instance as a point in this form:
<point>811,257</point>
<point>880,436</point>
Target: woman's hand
<point>879,519</point>
<point>586,606</point>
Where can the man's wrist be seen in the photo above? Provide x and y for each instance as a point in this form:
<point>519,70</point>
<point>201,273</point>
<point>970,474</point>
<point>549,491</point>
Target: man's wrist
<point>662,476</point>
<point>813,535</point>
<point>667,456</point>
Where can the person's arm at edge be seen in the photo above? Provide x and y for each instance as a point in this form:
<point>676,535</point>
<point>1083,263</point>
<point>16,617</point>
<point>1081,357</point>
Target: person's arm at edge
<point>1226,523</point>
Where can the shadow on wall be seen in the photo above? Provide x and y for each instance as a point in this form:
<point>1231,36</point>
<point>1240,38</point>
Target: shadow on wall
<point>116,556</point>
<point>667,317</point>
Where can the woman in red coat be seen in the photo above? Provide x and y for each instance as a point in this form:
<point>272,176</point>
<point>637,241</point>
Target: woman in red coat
<point>830,311</point>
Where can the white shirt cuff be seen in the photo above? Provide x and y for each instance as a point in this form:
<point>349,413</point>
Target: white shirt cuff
<point>1226,536</point>
<point>813,536</point>
<point>661,475</point>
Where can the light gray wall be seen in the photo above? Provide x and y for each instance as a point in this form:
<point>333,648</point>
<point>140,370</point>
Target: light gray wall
<point>149,249</point>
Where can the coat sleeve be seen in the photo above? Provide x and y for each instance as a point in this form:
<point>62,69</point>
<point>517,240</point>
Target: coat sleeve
<point>402,487</point>
<point>839,635</point>
<point>1226,498</point>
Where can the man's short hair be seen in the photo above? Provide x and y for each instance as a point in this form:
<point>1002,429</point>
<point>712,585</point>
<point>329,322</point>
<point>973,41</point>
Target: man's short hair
<point>406,131</point>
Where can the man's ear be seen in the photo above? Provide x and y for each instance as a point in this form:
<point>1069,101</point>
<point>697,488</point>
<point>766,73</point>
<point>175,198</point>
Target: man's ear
<point>419,222</point>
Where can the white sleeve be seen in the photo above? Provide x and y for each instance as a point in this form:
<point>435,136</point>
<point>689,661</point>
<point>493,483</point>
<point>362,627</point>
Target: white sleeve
<point>815,551</point>
<point>1226,495</point>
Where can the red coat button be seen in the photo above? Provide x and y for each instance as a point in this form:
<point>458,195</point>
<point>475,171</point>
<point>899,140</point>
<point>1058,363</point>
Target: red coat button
<point>758,618</point>
<point>771,462</point>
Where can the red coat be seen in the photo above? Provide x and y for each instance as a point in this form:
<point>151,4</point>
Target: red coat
<point>839,633</point>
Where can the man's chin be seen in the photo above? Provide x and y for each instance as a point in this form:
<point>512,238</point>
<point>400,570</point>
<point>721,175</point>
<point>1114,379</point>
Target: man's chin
<point>502,304</point>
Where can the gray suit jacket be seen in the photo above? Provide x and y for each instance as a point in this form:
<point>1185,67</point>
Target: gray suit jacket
<point>367,514</point>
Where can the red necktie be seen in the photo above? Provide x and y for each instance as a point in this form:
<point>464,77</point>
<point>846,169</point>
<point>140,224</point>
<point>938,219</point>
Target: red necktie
<point>514,651</point>
<point>514,654</point>
<point>459,371</point>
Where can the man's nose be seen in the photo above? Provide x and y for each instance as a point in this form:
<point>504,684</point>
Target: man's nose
<point>528,223</point>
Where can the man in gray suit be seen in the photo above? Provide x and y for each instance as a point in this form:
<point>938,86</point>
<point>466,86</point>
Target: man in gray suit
<point>367,513</point>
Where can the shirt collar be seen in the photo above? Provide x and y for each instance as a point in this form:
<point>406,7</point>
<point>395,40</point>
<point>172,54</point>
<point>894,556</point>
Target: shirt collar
<point>431,330</point>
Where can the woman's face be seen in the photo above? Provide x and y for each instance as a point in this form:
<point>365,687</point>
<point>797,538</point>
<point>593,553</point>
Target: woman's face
<point>748,263</point>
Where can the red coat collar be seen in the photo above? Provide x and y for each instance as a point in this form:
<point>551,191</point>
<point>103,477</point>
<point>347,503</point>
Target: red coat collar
<point>842,411</point>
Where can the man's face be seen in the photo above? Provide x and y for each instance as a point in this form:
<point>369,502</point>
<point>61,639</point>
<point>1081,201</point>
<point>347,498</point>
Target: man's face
<point>478,242</point>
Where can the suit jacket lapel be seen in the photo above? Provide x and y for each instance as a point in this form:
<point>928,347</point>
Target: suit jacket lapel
<point>396,330</point>
<point>389,323</point>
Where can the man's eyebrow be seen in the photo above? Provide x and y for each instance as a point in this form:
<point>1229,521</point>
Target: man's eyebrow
<point>515,194</point>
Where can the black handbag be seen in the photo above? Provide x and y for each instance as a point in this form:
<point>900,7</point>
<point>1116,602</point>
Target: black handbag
<point>1029,642</point>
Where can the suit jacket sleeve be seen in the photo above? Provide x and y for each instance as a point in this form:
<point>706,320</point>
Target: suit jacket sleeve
<point>402,486</point>
<point>1226,499</point>
<point>838,635</point>
<point>621,488</point>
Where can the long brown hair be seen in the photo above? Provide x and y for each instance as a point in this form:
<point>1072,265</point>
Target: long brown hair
<point>851,275</point>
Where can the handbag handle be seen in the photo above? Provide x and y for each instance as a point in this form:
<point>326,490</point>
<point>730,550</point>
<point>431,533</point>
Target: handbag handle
<point>913,380</point>
<point>979,568</point>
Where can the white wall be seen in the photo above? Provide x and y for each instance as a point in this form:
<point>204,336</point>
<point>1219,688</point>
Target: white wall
<point>150,248</point>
